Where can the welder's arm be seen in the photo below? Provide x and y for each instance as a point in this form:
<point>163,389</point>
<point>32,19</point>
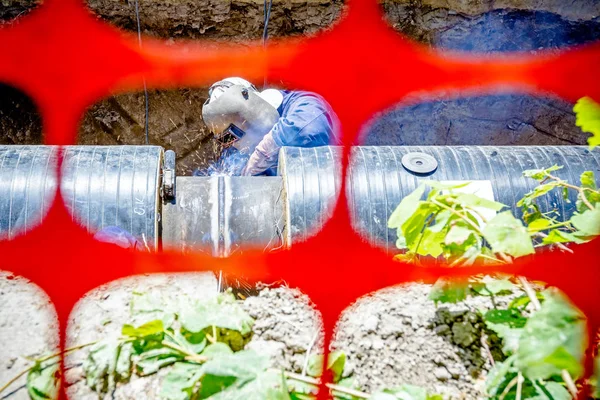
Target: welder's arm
<point>264,156</point>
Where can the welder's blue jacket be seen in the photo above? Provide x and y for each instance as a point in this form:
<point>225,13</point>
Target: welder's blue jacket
<point>306,120</point>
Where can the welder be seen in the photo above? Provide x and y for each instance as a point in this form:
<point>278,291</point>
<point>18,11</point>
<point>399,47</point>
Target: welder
<point>253,125</point>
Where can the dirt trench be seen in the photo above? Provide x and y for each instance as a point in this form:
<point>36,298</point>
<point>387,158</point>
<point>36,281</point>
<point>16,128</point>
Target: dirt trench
<point>391,337</point>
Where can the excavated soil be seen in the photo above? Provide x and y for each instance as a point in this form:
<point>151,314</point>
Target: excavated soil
<point>28,329</point>
<point>391,337</point>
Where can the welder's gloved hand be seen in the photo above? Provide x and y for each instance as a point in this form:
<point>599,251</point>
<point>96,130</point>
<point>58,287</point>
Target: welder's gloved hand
<point>264,157</point>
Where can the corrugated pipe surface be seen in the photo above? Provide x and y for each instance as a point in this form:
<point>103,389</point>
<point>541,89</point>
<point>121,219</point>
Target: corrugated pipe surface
<point>378,180</point>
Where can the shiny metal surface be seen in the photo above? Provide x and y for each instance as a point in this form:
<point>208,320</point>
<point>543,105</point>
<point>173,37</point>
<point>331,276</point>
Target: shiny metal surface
<point>221,214</point>
<point>377,181</point>
<point>101,186</point>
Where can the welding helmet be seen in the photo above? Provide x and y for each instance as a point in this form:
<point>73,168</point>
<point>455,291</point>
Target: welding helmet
<point>238,114</point>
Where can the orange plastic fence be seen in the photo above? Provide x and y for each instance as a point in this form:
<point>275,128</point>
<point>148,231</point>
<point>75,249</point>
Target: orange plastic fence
<point>65,60</point>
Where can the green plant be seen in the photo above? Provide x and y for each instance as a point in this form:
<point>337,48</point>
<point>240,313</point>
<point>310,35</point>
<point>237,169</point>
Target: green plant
<point>543,345</point>
<point>202,345</point>
<point>588,119</point>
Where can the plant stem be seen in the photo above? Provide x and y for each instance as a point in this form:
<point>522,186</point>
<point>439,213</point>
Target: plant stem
<point>508,387</point>
<point>519,386</point>
<point>331,386</point>
<point>570,383</point>
<point>577,188</point>
<point>487,349</point>
<point>190,356</point>
<point>13,380</point>
<point>453,211</point>
<point>559,225</point>
<point>308,351</point>
<point>45,358</point>
<point>530,293</point>
<point>559,245</point>
<point>536,304</point>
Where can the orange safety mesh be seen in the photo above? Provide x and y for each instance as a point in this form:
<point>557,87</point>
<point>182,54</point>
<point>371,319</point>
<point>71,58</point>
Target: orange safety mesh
<point>65,59</point>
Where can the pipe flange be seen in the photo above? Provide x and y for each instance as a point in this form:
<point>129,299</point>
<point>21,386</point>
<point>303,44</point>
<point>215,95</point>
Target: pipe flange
<point>419,163</point>
<point>168,184</point>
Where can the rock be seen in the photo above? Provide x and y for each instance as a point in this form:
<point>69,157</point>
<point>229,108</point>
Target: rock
<point>371,323</point>
<point>442,329</point>
<point>441,374</point>
<point>464,334</point>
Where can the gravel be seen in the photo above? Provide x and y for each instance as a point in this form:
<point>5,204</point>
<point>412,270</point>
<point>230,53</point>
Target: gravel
<point>393,336</point>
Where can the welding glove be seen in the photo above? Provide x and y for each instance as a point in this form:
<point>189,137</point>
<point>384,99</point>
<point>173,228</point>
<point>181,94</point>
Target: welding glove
<point>264,156</point>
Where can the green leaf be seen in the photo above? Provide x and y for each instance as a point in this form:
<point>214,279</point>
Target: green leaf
<point>192,342</point>
<point>539,224</point>
<point>588,222</point>
<point>405,392</point>
<point>152,306</point>
<point>508,324</point>
<point>231,369</point>
<point>494,286</point>
<point>472,200</point>
<point>107,363</point>
<point>458,235</point>
<point>222,311</point>
<point>267,385</point>
<point>523,301</point>
<point>301,390</point>
<point>507,234</point>
<point>148,329</point>
<point>429,244</point>
<point>530,390</point>
<point>553,339</point>
<point>216,349</point>
<point>588,180</point>
<point>415,224</point>
<point>497,375</point>
<point>406,208</point>
<point>558,236</point>
<point>180,382</point>
<point>335,363</point>
<point>540,174</point>
<point>539,191</point>
<point>588,119</point>
<point>151,361</point>
<point>551,391</point>
<point>348,383</point>
<point>43,380</point>
<point>444,291</point>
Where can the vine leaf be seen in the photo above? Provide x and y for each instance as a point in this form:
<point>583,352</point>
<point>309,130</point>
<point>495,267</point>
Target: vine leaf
<point>241,375</point>
<point>588,119</point>
<point>180,382</point>
<point>335,363</point>
<point>508,324</point>
<point>552,340</point>
<point>506,234</point>
<point>43,380</point>
<point>588,222</point>
<point>405,392</point>
<point>223,312</point>
<point>406,208</point>
<point>445,291</point>
<point>107,363</point>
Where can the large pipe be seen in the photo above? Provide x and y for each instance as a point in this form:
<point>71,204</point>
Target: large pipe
<point>121,185</point>
<point>378,179</point>
<point>101,186</point>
